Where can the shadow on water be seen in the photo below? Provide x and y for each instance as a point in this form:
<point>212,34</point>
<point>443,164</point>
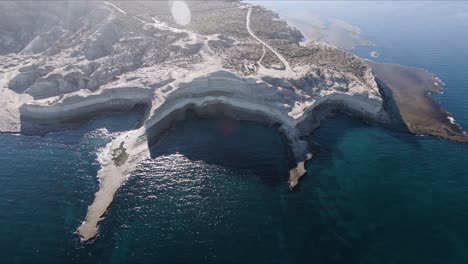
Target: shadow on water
<point>396,127</point>
<point>332,213</point>
<point>328,241</point>
<point>390,106</point>
<point>333,130</point>
<point>256,148</point>
<point>334,218</point>
<point>248,147</point>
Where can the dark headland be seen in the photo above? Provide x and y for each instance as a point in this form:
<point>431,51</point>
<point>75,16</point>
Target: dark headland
<point>410,89</point>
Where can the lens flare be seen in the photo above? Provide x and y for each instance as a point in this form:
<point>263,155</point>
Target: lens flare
<point>181,12</point>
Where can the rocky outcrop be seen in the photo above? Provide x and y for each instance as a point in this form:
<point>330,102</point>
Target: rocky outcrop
<point>39,119</point>
<point>408,90</point>
<point>24,80</point>
<point>44,41</point>
<point>102,40</point>
<point>45,23</point>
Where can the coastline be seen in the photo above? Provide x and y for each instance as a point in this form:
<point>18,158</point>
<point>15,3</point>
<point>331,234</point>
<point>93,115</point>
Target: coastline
<point>215,94</point>
<point>229,81</point>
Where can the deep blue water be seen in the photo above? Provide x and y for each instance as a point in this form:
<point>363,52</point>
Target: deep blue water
<point>370,196</point>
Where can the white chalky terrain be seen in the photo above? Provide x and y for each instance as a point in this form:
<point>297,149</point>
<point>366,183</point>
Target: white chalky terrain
<point>232,59</point>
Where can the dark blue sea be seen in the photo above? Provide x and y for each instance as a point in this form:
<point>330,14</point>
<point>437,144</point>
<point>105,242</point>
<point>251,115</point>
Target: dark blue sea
<point>370,196</point>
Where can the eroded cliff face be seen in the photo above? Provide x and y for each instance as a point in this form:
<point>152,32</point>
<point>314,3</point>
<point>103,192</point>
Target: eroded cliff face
<point>84,49</point>
<point>81,59</point>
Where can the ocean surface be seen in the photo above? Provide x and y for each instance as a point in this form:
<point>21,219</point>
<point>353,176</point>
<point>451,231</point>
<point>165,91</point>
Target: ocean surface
<point>216,190</point>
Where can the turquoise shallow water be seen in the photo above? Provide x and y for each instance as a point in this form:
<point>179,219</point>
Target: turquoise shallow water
<point>212,194</point>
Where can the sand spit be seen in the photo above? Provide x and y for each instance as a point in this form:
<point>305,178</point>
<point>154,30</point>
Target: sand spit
<point>112,175</point>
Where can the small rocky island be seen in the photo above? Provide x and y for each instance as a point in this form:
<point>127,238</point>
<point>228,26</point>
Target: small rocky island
<point>73,60</point>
